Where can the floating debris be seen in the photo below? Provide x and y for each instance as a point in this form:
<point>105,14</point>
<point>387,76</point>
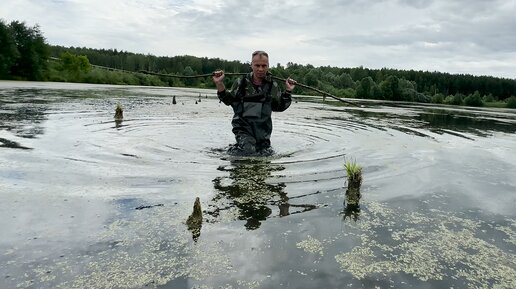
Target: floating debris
<point>12,144</point>
<point>148,207</point>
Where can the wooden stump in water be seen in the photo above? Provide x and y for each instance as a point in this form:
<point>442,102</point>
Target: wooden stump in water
<point>119,112</point>
<point>194,221</point>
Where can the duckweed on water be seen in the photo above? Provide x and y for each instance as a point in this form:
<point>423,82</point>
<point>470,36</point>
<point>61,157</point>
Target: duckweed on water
<point>311,245</point>
<point>153,247</point>
<point>149,251</point>
<point>434,247</point>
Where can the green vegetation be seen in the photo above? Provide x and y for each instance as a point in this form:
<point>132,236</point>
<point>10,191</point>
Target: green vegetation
<point>24,55</point>
<point>511,102</point>
<point>353,195</point>
<point>353,171</point>
<point>23,52</point>
<point>473,99</point>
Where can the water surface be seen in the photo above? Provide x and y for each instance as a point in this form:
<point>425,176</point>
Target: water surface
<point>88,202</point>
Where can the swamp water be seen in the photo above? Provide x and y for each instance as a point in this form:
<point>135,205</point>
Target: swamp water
<point>90,202</point>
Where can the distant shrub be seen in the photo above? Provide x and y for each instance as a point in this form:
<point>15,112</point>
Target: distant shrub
<point>349,92</point>
<point>511,102</point>
<point>421,97</point>
<point>473,99</point>
<point>488,98</point>
<point>408,95</point>
<point>438,98</point>
<point>454,99</point>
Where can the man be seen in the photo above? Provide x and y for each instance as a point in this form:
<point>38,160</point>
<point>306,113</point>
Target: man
<point>253,98</point>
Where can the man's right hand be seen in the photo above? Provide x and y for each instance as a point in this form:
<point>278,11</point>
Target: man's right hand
<point>218,76</point>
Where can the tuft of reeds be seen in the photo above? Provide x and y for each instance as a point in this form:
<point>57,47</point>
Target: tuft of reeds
<point>354,173</point>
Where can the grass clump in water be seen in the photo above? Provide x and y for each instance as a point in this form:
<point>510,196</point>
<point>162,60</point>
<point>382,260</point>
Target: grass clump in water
<point>352,201</point>
<point>354,172</point>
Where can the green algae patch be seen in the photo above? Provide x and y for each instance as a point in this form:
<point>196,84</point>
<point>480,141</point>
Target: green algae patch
<point>435,246</point>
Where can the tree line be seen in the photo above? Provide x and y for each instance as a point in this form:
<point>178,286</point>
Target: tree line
<point>23,51</point>
<point>24,54</point>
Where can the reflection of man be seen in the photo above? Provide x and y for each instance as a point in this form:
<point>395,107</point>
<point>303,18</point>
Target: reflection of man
<point>253,98</point>
<point>250,192</point>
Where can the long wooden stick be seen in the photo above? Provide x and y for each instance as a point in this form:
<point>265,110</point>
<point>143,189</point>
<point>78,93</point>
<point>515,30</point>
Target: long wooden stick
<point>189,76</point>
<point>226,73</point>
<point>240,73</point>
<point>318,90</point>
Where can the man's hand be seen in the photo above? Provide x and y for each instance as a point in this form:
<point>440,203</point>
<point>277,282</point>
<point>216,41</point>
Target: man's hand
<point>218,79</point>
<point>290,84</point>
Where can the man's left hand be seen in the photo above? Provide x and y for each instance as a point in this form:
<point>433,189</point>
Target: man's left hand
<point>290,84</point>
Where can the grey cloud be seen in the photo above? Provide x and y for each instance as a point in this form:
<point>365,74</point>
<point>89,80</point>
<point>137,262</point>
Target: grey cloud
<point>338,33</point>
<point>491,33</point>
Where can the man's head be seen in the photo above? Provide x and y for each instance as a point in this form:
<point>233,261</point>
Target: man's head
<point>260,64</point>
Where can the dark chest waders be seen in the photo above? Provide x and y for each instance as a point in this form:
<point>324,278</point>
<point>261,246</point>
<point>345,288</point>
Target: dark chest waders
<point>263,96</point>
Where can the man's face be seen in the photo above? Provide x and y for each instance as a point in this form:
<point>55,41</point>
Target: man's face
<point>260,65</point>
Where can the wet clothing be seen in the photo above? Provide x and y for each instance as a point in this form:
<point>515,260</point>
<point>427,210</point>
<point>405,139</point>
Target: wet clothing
<point>252,106</point>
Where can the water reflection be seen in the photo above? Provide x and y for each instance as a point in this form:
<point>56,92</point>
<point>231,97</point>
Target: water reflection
<point>22,113</point>
<point>118,123</point>
<point>441,121</point>
<point>351,212</point>
<point>12,144</point>
<point>249,193</point>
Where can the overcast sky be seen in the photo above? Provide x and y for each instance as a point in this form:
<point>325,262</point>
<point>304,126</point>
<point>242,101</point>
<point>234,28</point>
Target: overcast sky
<point>457,36</point>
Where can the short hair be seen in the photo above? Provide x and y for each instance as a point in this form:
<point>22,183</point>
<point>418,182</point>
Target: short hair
<point>260,53</point>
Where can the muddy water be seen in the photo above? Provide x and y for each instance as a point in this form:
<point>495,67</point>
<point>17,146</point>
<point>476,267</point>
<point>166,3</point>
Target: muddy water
<point>87,202</point>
